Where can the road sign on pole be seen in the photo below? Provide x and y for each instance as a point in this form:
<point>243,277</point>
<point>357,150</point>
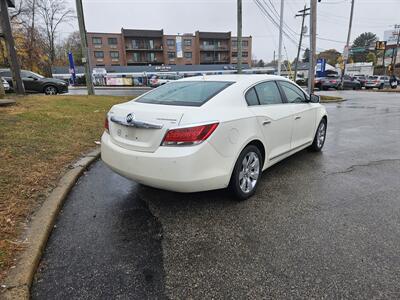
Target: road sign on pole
<point>346,53</point>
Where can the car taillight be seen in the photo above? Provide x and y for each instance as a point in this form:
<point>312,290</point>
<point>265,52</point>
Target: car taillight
<point>189,135</point>
<point>106,124</point>
<point>376,81</point>
<point>333,81</point>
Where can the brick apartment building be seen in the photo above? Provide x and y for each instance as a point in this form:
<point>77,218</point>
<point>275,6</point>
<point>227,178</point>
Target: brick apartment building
<point>134,47</point>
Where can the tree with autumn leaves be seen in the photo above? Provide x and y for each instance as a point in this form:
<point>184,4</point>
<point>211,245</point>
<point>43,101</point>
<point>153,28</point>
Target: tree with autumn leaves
<point>36,25</point>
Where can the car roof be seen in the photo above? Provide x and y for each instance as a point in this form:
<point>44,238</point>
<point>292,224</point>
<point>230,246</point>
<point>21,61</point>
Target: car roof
<point>247,79</point>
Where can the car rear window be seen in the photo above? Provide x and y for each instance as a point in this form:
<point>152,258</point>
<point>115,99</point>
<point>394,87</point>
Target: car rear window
<point>184,93</point>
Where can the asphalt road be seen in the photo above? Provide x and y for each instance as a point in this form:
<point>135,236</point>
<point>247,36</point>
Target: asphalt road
<point>321,225</point>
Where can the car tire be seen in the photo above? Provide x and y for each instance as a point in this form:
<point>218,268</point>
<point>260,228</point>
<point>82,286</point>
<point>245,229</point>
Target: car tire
<point>320,136</point>
<point>245,177</point>
<point>50,90</point>
<point>381,87</point>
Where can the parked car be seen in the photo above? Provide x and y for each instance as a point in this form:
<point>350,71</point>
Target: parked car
<point>377,82</point>
<point>335,82</point>
<point>211,132</point>
<point>35,83</point>
<point>362,79</point>
<point>5,84</point>
<point>157,80</point>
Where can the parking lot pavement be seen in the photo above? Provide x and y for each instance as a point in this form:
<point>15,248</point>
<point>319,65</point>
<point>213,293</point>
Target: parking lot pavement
<point>320,225</point>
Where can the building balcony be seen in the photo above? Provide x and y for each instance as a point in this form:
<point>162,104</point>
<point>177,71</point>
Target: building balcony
<point>144,48</point>
<point>213,48</point>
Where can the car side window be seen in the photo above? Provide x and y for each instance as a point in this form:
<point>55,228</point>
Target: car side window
<point>6,74</point>
<point>293,93</point>
<point>268,93</point>
<point>251,97</point>
<point>25,74</point>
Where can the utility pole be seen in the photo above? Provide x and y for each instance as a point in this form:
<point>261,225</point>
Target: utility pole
<point>280,38</point>
<point>348,39</point>
<point>302,13</point>
<point>313,45</point>
<point>18,85</point>
<point>395,50</point>
<point>239,36</point>
<point>85,50</point>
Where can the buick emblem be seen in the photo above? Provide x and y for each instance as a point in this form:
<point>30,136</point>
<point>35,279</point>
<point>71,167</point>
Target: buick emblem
<point>130,117</point>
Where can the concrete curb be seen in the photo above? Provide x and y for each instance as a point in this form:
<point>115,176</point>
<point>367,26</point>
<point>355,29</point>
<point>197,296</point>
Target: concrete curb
<point>19,280</point>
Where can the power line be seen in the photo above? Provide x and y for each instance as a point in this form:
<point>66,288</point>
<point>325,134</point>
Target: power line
<point>266,13</point>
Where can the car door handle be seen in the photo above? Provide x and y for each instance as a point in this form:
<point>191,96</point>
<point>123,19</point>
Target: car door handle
<point>266,122</point>
<point>297,118</point>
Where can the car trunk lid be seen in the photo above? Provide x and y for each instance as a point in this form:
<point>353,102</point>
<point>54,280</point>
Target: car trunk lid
<point>142,127</point>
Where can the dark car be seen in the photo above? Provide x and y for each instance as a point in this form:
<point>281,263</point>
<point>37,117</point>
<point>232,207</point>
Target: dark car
<point>35,83</point>
<point>334,82</point>
<point>361,78</point>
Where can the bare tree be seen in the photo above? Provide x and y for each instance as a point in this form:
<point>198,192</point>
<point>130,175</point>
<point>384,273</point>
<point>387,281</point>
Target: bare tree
<point>53,13</point>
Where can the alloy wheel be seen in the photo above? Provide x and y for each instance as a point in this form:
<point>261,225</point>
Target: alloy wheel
<point>249,172</point>
<point>321,135</point>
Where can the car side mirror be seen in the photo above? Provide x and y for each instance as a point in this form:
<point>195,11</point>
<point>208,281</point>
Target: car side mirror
<point>315,98</point>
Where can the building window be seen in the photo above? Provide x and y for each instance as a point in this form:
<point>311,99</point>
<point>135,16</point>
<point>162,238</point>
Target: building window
<point>97,41</point>
<point>114,54</point>
<point>171,55</point>
<point>99,54</point>
<point>245,54</point>
<point>112,41</point>
<point>188,55</point>
<point>234,44</point>
<point>170,42</point>
<point>187,43</point>
<point>234,54</point>
<point>245,43</point>
<point>136,56</point>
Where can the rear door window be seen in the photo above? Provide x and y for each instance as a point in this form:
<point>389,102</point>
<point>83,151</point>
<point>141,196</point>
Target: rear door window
<point>184,93</point>
<point>268,93</point>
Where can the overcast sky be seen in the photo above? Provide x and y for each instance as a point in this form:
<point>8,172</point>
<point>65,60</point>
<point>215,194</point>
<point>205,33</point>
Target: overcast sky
<point>180,16</point>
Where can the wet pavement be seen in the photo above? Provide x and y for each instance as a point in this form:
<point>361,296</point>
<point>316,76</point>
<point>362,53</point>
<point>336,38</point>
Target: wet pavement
<point>323,225</point>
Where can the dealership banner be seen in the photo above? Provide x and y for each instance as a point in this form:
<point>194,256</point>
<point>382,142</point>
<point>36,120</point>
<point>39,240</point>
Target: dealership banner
<point>179,52</point>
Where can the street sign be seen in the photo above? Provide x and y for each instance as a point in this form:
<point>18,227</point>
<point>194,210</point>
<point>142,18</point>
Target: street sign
<point>380,45</point>
<point>346,53</point>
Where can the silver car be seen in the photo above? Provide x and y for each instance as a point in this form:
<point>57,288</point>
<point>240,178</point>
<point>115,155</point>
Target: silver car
<point>377,82</point>
<point>5,84</point>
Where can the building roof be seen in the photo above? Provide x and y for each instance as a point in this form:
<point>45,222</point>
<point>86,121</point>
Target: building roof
<point>142,32</point>
<point>153,69</point>
<point>214,35</point>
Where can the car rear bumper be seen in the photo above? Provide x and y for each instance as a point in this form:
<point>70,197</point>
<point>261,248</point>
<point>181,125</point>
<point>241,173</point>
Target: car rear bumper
<point>180,169</point>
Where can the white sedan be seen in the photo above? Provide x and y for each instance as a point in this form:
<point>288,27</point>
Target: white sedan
<point>211,132</point>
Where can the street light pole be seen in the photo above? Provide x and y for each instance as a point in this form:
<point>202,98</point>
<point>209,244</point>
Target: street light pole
<point>303,15</point>
<point>348,40</point>
<point>313,44</point>
<point>395,50</point>
<point>18,85</point>
<point>85,51</point>
<point>239,36</point>
<point>280,38</point>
